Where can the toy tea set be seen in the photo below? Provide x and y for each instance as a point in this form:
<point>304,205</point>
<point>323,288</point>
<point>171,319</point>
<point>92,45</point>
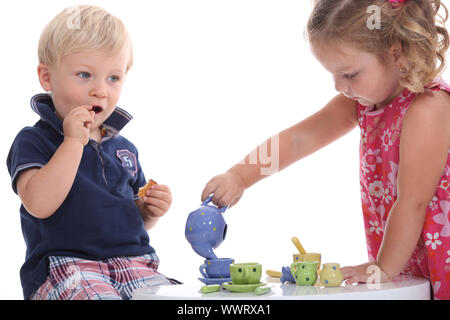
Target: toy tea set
<point>305,270</point>
<point>206,229</point>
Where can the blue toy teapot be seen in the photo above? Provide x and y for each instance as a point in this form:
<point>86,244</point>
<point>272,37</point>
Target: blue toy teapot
<point>206,229</point>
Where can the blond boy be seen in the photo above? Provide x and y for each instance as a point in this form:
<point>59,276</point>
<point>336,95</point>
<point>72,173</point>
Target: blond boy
<point>84,225</point>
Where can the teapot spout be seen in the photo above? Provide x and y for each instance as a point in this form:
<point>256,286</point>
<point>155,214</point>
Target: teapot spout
<point>204,252</point>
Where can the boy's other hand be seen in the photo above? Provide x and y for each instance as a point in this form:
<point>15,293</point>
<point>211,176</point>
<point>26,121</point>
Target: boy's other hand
<point>77,123</point>
<point>227,189</point>
<point>157,201</point>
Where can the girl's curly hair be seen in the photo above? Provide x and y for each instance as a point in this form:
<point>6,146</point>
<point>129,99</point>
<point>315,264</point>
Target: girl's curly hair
<point>416,24</point>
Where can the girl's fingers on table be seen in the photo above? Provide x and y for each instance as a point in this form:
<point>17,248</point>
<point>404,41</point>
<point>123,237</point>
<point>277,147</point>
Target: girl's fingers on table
<point>347,272</point>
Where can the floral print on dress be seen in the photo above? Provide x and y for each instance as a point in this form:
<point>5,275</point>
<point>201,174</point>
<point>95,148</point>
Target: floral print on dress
<point>379,162</point>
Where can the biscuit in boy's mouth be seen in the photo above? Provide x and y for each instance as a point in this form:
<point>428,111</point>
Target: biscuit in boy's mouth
<point>97,109</point>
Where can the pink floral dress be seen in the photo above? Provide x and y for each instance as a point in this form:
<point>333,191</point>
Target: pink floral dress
<point>379,161</point>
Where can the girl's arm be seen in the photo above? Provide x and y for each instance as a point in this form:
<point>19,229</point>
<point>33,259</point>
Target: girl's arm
<point>336,119</point>
<point>424,145</point>
<point>333,121</point>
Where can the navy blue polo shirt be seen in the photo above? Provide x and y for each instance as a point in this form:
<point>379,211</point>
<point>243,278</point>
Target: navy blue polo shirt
<point>99,217</point>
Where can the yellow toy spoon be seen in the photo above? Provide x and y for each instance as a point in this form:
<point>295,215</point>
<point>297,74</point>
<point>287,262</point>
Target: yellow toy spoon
<point>273,273</point>
<point>298,245</point>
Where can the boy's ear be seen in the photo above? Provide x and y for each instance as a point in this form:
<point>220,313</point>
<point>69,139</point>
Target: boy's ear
<point>44,76</point>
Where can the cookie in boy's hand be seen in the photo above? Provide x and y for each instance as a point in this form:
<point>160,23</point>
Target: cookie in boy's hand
<point>144,189</point>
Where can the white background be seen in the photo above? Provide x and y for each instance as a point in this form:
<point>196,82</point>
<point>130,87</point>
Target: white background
<point>211,81</point>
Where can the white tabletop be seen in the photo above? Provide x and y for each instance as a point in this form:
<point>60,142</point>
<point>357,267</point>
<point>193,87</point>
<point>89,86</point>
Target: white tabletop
<point>402,288</point>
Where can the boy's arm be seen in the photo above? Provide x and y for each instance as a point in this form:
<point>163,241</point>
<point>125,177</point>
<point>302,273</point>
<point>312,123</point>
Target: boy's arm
<point>155,204</point>
<point>149,220</point>
<point>333,121</point>
<point>43,190</point>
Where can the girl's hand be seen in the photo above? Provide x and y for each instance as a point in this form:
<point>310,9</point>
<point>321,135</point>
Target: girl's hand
<point>157,201</point>
<point>77,123</point>
<point>362,273</point>
<point>227,188</point>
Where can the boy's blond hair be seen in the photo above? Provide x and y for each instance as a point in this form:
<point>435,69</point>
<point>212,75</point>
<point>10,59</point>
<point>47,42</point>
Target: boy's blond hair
<point>83,28</point>
<point>416,24</point>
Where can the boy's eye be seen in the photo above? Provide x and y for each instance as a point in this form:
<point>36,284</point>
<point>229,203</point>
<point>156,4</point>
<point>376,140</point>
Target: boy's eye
<point>114,78</point>
<point>83,74</point>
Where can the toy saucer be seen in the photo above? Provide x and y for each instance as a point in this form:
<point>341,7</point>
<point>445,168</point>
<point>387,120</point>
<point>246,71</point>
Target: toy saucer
<point>242,287</point>
<point>214,280</point>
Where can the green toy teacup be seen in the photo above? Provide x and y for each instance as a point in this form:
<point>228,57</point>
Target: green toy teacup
<point>245,273</point>
<point>305,272</point>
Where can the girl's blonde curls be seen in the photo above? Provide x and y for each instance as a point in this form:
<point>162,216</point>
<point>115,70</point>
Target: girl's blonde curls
<point>417,24</point>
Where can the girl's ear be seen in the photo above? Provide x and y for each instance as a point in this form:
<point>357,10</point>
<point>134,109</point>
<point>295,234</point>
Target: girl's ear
<point>44,76</point>
<point>397,55</point>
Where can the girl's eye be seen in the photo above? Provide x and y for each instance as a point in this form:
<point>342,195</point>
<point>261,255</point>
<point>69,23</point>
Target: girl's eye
<point>351,76</point>
<point>83,74</point>
<point>114,78</point>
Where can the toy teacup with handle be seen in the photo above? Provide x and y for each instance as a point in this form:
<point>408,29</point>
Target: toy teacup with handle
<point>246,273</point>
<point>219,268</point>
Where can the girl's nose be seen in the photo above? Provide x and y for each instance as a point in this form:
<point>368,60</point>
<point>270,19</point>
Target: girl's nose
<point>338,85</point>
<point>341,86</point>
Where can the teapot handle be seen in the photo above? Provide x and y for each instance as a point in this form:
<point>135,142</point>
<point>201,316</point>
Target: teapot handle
<point>209,199</point>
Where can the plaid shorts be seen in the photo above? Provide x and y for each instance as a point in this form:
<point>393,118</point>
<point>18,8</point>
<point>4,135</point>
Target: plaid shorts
<point>113,278</point>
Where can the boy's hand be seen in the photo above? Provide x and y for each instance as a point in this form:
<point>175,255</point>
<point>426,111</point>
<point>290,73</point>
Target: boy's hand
<point>227,188</point>
<point>77,123</point>
<point>157,201</point>
<point>362,272</point>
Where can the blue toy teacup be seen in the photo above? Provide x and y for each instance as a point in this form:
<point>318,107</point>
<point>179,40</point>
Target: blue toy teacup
<point>219,268</point>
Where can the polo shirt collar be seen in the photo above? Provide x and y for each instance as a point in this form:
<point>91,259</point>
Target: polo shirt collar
<point>42,104</point>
